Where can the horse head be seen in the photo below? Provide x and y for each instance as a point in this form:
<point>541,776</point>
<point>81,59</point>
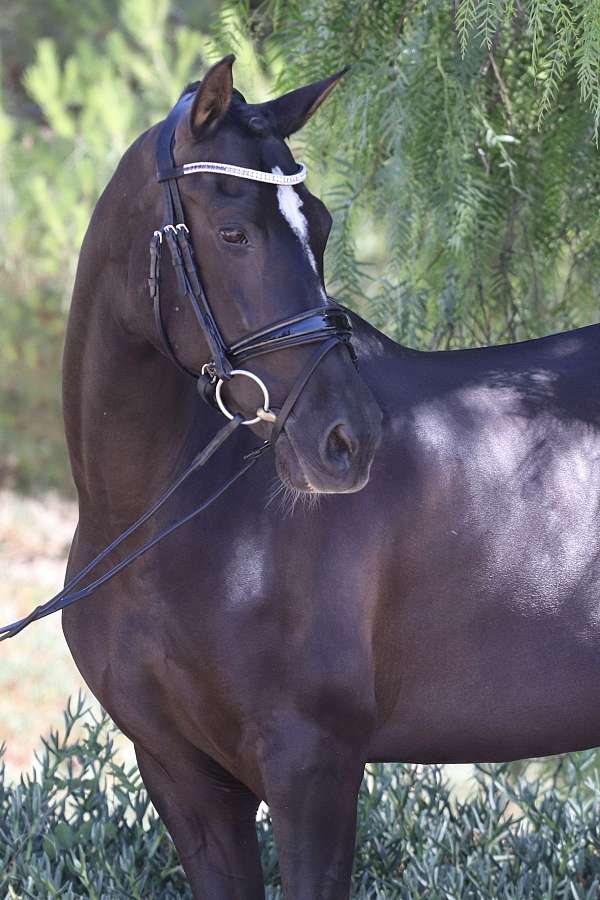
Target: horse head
<point>258,250</point>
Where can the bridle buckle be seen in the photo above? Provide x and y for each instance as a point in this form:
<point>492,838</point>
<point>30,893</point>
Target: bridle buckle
<point>208,370</point>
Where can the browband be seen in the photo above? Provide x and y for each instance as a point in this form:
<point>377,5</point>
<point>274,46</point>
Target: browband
<point>237,172</point>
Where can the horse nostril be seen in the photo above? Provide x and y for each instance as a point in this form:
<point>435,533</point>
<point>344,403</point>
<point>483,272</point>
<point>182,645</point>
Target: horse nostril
<point>339,447</point>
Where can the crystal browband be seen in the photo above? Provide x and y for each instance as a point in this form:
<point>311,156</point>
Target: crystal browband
<point>237,172</point>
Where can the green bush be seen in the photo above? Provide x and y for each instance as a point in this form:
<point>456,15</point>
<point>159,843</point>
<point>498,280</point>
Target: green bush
<point>469,134</point>
<point>81,826</point>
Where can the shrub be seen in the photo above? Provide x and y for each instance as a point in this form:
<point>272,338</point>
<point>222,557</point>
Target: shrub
<point>81,826</point>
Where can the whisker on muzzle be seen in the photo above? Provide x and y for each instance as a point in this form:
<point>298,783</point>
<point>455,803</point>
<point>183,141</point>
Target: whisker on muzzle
<point>289,497</point>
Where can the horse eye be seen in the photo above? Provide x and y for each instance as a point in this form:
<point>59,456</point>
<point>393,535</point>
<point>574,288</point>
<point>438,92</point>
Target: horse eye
<point>233,235</point>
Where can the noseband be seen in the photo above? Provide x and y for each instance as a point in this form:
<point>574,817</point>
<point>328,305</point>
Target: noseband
<point>323,325</point>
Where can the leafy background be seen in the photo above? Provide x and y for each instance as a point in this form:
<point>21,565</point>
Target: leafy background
<point>459,157</point>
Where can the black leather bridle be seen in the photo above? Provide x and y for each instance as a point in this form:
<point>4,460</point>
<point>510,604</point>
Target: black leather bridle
<point>324,325</point>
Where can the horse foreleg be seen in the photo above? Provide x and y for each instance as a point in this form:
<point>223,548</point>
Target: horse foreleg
<point>312,782</point>
<point>212,819</point>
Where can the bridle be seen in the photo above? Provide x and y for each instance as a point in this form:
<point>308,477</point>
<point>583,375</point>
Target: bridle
<point>323,325</point>
<point>326,326</point>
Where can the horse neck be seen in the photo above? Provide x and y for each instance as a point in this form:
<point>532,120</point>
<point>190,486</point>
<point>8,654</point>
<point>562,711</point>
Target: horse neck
<point>131,418</point>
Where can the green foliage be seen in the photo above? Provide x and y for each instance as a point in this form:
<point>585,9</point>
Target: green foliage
<point>81,826</point>
<point>465,137</point>
<point>66,23</point>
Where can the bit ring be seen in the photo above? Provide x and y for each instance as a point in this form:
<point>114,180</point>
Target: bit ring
<point>261,412</point>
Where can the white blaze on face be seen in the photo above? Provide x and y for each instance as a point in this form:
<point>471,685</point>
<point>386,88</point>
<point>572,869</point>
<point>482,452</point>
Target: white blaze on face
<point>290,206</point>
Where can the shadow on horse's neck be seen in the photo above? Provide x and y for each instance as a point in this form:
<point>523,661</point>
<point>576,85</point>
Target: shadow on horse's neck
<point>132,420</point>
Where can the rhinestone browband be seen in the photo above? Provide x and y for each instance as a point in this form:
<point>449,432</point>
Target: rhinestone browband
<point>241,172</point>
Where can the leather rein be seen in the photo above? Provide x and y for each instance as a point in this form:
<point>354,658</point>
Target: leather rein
<point>325,326</point>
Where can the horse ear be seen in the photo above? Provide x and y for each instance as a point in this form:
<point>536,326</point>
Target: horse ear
<point>293,110</point>
<point>212,97</point>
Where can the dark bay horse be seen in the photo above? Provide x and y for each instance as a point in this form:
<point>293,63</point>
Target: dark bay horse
<point>447,611</point>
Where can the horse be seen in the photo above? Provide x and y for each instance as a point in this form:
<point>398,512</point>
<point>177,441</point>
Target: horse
<point>433,598</point>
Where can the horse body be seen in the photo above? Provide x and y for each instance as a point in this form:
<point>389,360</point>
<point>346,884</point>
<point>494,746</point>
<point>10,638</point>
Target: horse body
<point>491,573</point>
<point>446,612</point>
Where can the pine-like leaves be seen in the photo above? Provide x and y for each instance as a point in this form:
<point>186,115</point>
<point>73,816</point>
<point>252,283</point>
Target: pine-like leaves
<point>467,133</point>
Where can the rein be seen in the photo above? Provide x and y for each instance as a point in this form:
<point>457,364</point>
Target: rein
<point>66,597</point>
<point>326,326</point>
